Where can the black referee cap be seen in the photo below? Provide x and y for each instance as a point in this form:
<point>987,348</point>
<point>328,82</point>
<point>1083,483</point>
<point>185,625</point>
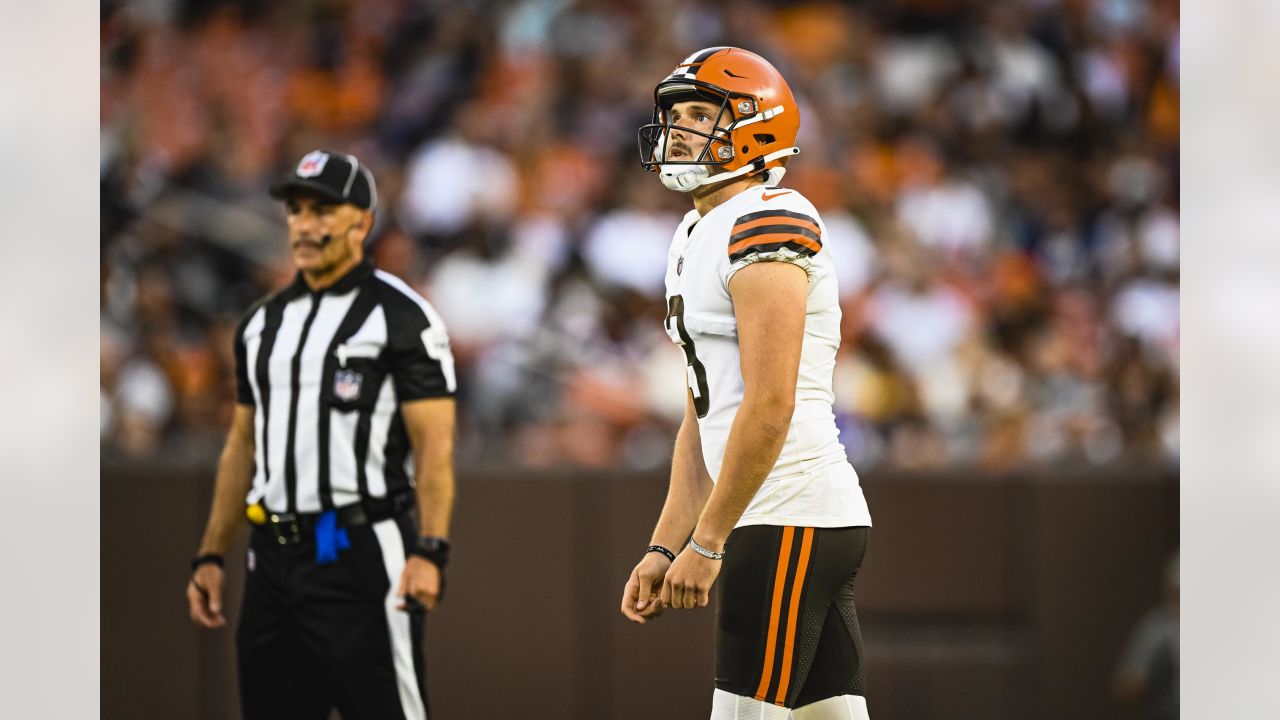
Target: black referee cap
<point>335,176</point>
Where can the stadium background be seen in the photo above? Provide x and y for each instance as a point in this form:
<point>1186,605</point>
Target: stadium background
<point>1000,184</point>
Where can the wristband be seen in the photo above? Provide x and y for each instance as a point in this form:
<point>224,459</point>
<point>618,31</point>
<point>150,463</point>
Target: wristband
<point>434,550</point>
<point>206,559</point>
<point>659,549</point>
<point>703,551</point>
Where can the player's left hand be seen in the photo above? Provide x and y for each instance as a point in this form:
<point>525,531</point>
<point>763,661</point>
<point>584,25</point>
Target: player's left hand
<point>420,581</point>
<point>689,580</point>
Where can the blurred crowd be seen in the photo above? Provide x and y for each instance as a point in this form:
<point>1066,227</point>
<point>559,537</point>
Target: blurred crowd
<point>999,182</point>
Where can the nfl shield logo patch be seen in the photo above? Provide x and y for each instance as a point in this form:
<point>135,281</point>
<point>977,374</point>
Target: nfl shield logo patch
<point>346,385</point>
<point>313,164</point>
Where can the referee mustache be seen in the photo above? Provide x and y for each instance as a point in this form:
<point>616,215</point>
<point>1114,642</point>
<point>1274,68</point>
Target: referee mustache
<point>320,242</point>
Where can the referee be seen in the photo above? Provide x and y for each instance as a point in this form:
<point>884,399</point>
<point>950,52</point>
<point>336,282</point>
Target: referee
<point>343,426</point>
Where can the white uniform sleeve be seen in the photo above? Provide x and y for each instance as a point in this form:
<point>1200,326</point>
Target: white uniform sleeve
<point>781,226</point>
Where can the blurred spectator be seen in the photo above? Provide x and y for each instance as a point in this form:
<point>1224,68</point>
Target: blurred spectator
<point>999,184</point>
<point>1147,673</point>
<point>457,180</point>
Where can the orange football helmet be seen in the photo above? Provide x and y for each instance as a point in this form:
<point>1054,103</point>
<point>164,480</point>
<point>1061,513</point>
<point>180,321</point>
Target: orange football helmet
<point>754,131</point>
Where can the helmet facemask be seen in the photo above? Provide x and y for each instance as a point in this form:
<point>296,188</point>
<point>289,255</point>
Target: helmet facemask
<point>654,138</point>
<point>740,109</point>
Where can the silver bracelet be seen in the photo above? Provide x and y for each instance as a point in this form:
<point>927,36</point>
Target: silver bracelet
<point>703,551</point>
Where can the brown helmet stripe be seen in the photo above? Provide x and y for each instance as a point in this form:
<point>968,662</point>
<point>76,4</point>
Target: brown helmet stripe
<point>705,55</point>
<point>691,66</point>
<point>702,57</point>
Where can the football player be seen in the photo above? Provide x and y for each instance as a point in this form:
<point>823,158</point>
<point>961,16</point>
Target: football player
<point>760,485</point>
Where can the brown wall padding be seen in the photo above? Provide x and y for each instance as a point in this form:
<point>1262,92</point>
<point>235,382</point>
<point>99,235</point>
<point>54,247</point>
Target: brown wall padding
<point>993,597</point>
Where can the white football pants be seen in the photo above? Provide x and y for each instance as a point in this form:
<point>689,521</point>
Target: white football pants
<point>727,706</point>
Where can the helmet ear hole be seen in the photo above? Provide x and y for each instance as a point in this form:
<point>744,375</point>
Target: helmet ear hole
<point>764,138</point>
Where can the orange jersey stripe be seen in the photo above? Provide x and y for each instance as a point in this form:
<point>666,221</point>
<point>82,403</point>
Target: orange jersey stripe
<point>793,616</point>
<point>775,220</point>
<point>779,580</point>
<point>775,238</point>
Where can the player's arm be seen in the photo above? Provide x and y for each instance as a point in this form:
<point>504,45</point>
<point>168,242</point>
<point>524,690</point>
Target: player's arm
<point>769,300</point>
<point>687,492</point>
<point>689,487</point>
<point>235,471</point>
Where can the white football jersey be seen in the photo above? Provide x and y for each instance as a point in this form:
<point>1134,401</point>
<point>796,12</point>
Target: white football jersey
<point>812,484</point>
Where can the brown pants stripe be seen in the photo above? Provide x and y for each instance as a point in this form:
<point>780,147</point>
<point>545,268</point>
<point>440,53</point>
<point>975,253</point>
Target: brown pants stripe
<point>793,616</point>
<point>786,628</point>
<point>779,585</point>
<point>776,670</point>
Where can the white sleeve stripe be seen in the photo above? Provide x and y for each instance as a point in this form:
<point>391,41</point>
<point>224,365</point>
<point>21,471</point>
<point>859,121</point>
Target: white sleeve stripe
<point>436,328</point>
<point>408,292</point>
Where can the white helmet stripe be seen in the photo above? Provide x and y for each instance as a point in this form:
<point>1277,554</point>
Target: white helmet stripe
<point>758,117</point>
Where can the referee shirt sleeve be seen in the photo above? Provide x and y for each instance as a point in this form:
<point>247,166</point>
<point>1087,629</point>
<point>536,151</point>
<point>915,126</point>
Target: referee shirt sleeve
<point>418,352</point>
<point>244,391</point>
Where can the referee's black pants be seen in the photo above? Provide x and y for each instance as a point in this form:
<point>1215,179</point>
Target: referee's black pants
<point>313,637</point>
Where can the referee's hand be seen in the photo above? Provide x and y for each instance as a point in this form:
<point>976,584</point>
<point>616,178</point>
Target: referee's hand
<point>204,595</point>
<point>419,582</point>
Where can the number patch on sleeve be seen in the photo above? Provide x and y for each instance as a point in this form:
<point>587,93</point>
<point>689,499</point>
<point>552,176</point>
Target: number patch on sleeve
<point>436,342</point>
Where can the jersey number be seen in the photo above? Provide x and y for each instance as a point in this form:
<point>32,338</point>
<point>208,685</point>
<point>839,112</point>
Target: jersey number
<point>696,371</point>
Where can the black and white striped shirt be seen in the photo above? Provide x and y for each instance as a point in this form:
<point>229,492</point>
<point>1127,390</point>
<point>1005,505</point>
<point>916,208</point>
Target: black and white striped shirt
<point>326,372</point>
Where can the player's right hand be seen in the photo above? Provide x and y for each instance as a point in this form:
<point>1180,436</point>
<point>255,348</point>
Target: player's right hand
<point>640,599</point>
<point>204,596</point>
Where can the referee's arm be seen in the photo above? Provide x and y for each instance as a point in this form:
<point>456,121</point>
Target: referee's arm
<point>429,423</point>
<point>235,471</point>
<point>430,426</point>
<point>422,368</point>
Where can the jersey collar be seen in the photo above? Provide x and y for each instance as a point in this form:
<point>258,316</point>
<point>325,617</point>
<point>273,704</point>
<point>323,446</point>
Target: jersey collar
<point>733,201</point>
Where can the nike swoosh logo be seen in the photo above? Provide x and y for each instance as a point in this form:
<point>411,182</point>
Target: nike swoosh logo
<point>767,196</point>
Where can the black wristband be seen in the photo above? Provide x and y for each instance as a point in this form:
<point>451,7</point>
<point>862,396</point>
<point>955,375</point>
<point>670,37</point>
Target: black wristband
<point>206,559</point>
<point>659,549</point>
<point>432,549</point>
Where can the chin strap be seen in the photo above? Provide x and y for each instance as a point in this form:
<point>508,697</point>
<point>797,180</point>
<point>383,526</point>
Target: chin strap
<point>756,165</point>
<point>684,178</point>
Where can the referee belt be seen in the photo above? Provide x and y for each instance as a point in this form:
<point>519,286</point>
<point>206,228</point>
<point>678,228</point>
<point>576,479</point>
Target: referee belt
<point>293,528</point>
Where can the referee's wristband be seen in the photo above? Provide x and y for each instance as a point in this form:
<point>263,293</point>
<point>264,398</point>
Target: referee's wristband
<point>206,559</point>
<point>704,552</point>
<point>434,550</point>
<point>659,549</point>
